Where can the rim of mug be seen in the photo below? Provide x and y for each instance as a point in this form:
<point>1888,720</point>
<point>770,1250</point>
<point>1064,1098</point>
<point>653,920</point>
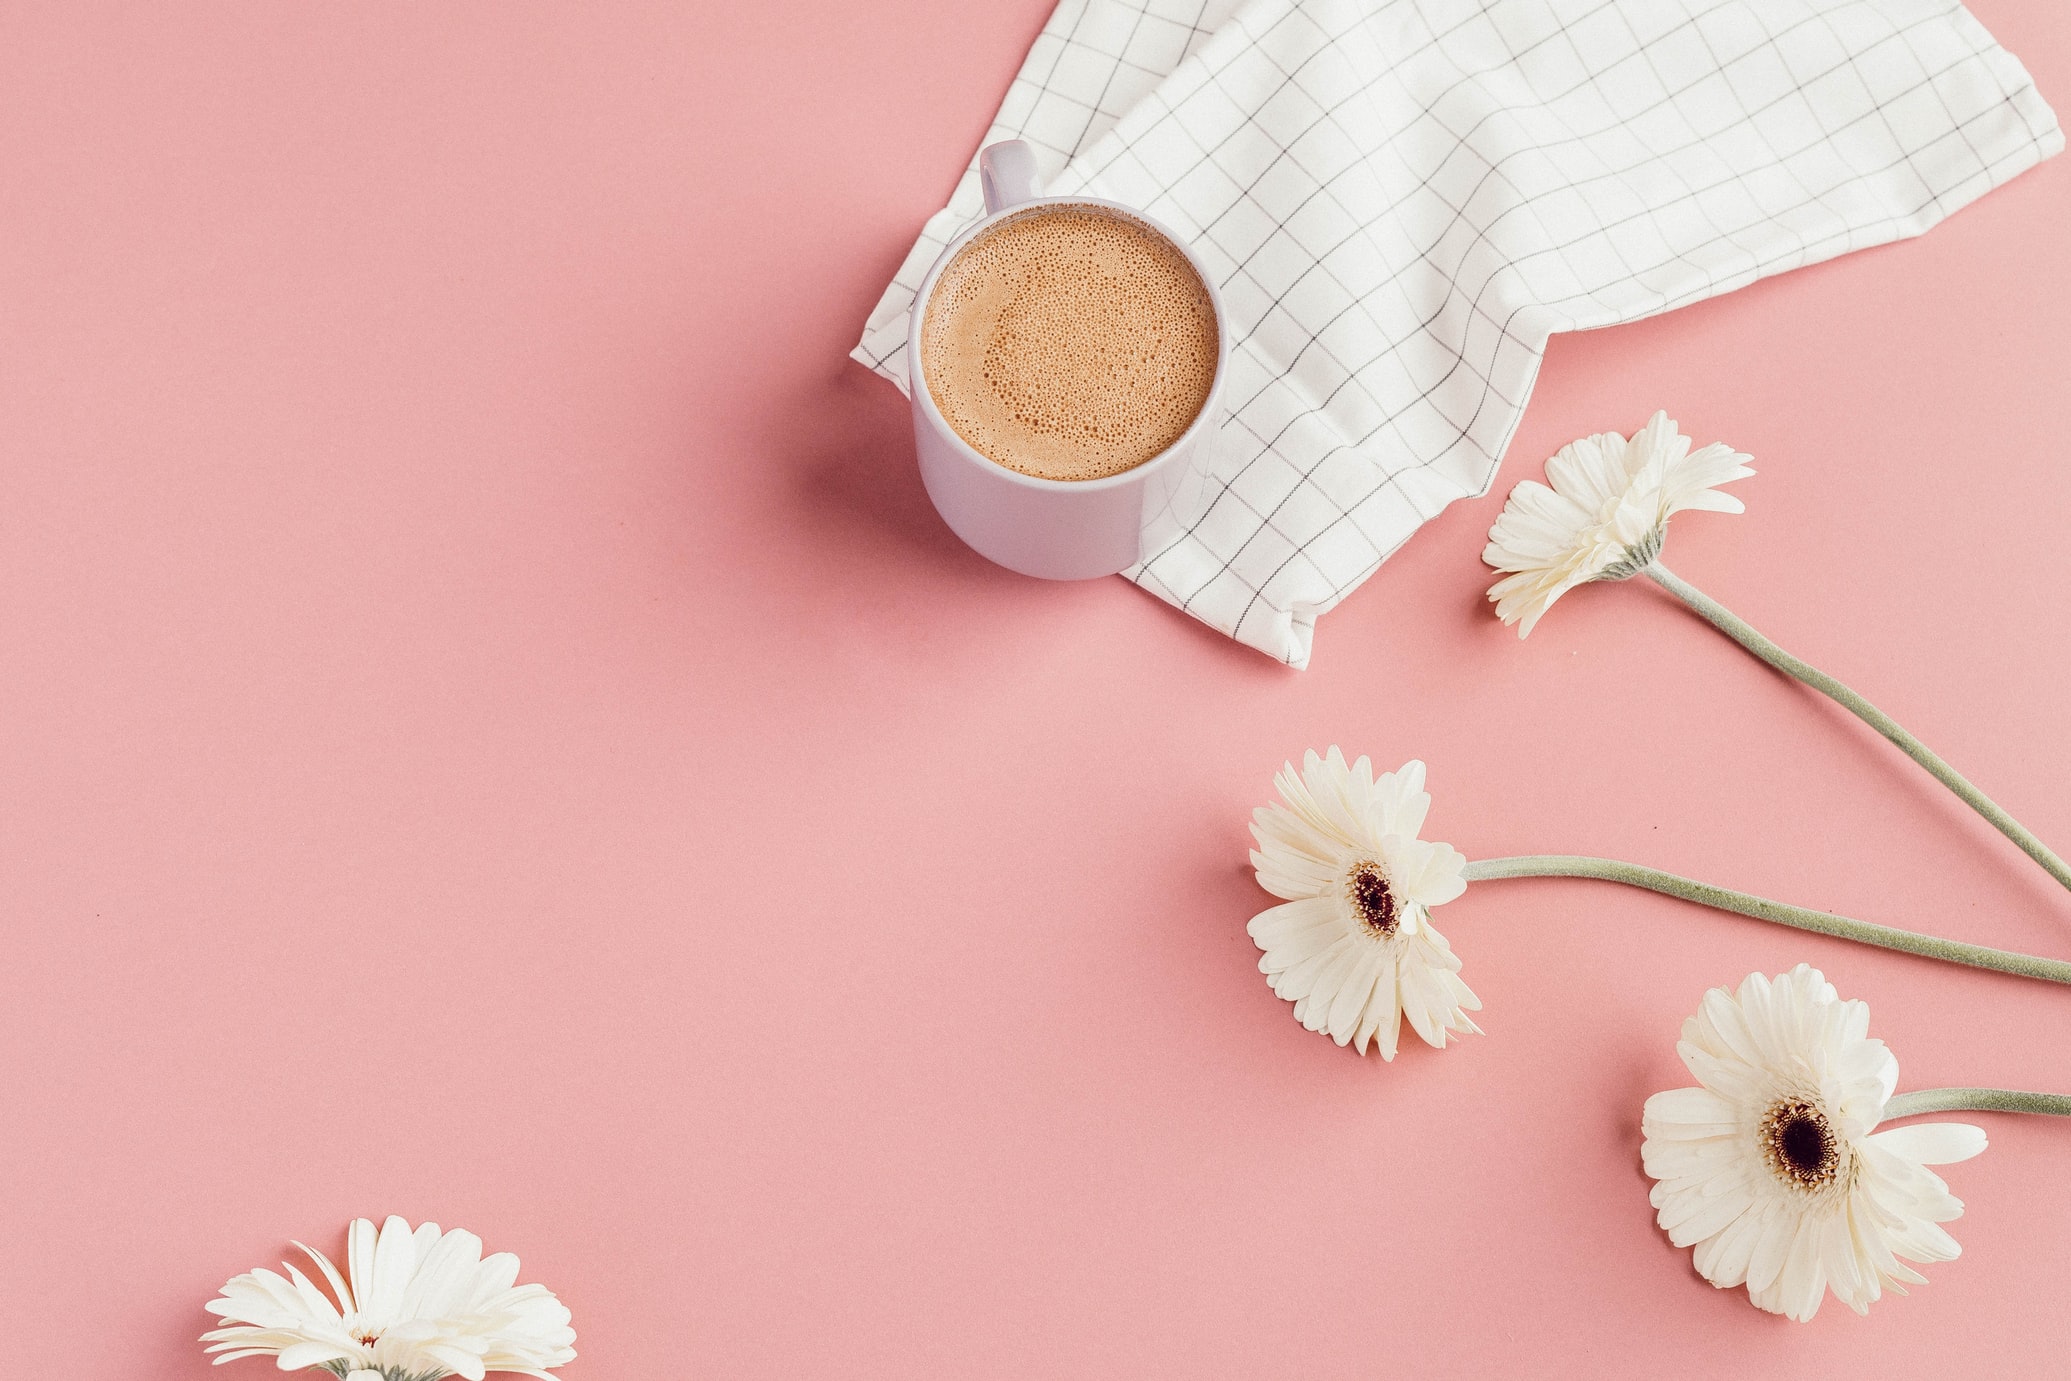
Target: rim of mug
<point>917,376</point>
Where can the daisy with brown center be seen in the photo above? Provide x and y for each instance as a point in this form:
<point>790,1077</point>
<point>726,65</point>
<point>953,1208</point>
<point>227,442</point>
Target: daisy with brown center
<point>1352,946</point>
<point>1774,1170</point>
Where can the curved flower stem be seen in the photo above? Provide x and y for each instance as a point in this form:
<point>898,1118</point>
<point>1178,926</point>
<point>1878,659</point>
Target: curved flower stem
<point>1977,1100</point>
<point>1762,909</point>
<point>1738,629</point>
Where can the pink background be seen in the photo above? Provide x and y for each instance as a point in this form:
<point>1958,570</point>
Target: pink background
<point>491,730</point>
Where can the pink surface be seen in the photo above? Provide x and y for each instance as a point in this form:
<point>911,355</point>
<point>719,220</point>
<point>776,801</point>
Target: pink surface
<point>490,730</point>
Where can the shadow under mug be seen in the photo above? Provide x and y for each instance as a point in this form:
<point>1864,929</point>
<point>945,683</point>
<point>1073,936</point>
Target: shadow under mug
<point>1056,529</point>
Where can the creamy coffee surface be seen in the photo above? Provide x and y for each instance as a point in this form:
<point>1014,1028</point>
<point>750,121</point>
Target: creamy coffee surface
<point>1069,344</point>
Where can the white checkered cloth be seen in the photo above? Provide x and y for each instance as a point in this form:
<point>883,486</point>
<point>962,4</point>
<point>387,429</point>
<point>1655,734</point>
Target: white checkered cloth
<point>1401,200</point>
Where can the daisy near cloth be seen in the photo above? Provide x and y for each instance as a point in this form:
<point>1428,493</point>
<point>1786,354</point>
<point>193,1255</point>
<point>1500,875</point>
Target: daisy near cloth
<point>1402,199</point>
<point>1603,516</point>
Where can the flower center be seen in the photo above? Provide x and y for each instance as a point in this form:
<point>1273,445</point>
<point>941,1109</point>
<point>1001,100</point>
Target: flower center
<point>1800,1145</point>
<point>1372,899</point>
<point>367,1338</point>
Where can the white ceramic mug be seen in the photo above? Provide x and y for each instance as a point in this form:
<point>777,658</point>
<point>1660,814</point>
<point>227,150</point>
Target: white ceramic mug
<point>1056,529</point>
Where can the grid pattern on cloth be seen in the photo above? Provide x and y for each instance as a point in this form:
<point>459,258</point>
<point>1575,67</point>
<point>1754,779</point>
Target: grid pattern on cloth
<point>1400,200</point>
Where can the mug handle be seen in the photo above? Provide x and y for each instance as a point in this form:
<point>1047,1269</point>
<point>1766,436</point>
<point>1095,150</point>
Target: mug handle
<point>1007,174</point>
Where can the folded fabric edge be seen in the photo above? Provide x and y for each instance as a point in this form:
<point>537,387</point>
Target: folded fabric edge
<point>868,361</point>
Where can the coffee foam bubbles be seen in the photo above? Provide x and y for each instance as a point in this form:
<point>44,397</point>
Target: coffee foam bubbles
<point>1069,343</point>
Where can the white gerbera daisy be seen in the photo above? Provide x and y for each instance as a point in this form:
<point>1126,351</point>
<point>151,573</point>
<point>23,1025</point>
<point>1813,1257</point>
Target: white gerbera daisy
<point>1772,1169</point>
<point>1604,516</point>
<point>1353,946</point>
<point>420,1305</point>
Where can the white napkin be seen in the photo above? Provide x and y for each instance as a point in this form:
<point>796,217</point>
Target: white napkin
<point>1401,200</point>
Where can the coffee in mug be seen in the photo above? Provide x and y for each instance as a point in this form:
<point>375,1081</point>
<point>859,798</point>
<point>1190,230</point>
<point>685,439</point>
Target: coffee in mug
<point>1069,343</point>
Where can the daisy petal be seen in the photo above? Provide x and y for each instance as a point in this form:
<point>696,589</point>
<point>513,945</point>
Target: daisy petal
<point>1933,1143</point>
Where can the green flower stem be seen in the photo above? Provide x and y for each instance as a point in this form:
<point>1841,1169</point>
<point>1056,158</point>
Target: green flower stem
<point>1762,909</point>
<point>1737,628</point>
<point>1977,1100</point>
